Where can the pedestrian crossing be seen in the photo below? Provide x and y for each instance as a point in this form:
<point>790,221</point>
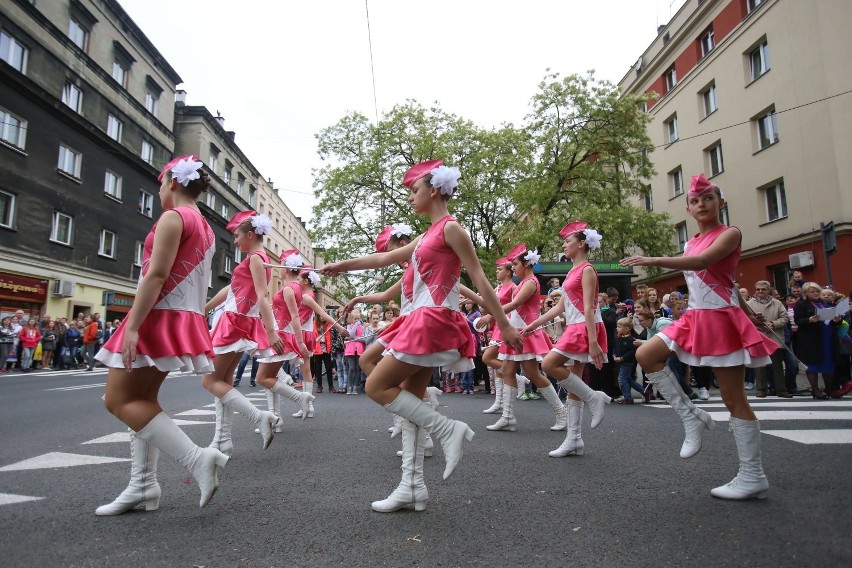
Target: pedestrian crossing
<point>771,412</point>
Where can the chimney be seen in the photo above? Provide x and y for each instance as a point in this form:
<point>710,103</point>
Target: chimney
<point>220,119</point>
<point>231,134</point>
<point>180,98</point>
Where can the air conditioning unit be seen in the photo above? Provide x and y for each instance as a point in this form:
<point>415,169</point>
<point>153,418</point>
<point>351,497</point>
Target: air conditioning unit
<point>801,259</point>
<point>63,288</point>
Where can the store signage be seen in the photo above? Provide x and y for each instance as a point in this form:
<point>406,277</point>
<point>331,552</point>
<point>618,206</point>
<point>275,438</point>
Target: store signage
<point>14,287</point>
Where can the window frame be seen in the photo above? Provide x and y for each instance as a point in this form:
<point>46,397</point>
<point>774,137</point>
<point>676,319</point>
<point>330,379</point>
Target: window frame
<point>11,210</point>
<point>114,127</point>
<point>78,161</point>
<point>6,127</point>
<point>708,95</point>
<point>752,5</point>
<point>210,200</point>
<point>145,198</point>
<point>672,129</point>
<point>761,49</point>
<point>113,191</point>
<point>152,101</point>
<point>682,236</point>
<point>649,199</point>
<point>676,175</point>
<point>670,78</point>
<point>113,244</point>
<point>138,253</point>
<point>13,41</point>
<point>84,41</point>
<point>70,91</point>
<point>150,158</point>
<point>228,266</point>
<point>119,64</point>
<point>725,215</point>
<point>768,118</point>
<point>715,159</point>
<point>777,189</point>
<point>707,41</point>
<point>54,226</point>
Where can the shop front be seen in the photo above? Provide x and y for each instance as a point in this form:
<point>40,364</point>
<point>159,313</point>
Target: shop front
<point>22,293</point>
<point>117,305</point>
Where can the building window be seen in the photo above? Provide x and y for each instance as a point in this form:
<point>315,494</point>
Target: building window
<point>69,161</point>
<point>767,129</point>
<point>241,182</point>
<point>776,201</point>
<point>210,200</point>
<point>227,173</point>
<point>724,216</point>
<point>78,34</point>
<point>13,130</point>
<point>213,160</point>
<point>649,199</point>
<point>114,128</point>
<point>670,78</point>
<point>223,211</point>
<point>238,256</point>
<point>119,72</point>
<point>112,185</point>
<point>229,264</point>
<point>61,228</point>
<point>676,181</point>
<point>147,153</point>
<point>758,60</point>
<point>671,129</point>
<point>708,100</point>
<point>753,5</point>
<point>152,102</point>
<point>707,42</point>
<point>73,97</point>
<point>13,52</point>
<point>107,247</point>
<point>682,237</point>
<point>138,253</point>
<point>7,209</point>
<point>715,165</point>
<point>252,195</point>
<point>146,203</point>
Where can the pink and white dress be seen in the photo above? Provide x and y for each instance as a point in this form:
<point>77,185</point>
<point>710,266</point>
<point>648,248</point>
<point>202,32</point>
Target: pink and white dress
<point>405,303</point>
<point>574,343</point>
<point>537,344</point>
<point>714,331</point>
<point>435,333</point>
<point>306,318</point>
<point>505,292</point>
<point>174,335</point>
<point>284,324</point>
<point>240,327</point>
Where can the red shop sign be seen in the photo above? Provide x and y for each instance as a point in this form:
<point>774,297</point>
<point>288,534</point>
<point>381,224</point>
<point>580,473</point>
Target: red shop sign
<point>13,287</point>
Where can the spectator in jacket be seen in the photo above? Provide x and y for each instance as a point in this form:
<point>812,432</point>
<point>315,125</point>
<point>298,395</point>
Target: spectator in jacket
<point>29,337</point>
<point>322,358</point>
<point>73,342</point>
<point>816,342</point>
<point>624,354</point>
<point>49,338</point>
<point>352,352</point>
<point>90,341</point>
<point>7,341</point>
<point>772,318</point>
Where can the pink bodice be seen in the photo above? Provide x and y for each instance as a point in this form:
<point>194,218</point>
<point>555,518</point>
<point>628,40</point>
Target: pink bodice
<point>573,288</point>
<point>505,292</point>
<point>436,270</point>
<point>242,297</point>
<point>279,306</point>
<point>712,287</point>
<point>185,287</point>
<point>527,312</point>
<point>407,286</point>
<point>306,313</point>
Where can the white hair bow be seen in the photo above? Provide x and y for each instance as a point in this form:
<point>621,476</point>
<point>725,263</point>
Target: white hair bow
<point>532,256</point>
<point>446,179</point>
<point>400,230</point>
<point>593,238</point>
<point>262,224</point>
<point>186,170</point>
<point>294,261</point>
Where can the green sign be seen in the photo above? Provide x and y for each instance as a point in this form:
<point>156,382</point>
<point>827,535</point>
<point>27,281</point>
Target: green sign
<point>563,267</point>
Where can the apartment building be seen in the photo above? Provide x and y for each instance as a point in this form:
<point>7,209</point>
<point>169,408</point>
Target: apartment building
<point>754,93</point>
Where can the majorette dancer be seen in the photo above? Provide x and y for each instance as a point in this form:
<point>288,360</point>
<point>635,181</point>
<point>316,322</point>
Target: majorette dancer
<point>584,339</point>
<point>713,332</point>
<point>285,308</point>
<point>164,331</point>
<point>434,334</point>
<point>246,325</point>
<point>505,289</point>
<point>523,309</point>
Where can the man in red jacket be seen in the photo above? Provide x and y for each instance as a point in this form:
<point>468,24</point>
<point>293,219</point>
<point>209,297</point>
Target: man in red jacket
<point>90,340</point>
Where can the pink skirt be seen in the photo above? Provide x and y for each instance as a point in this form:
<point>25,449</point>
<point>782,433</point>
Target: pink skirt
<point>536,346</point>
<point>238,333</point>
<point>434,337</point>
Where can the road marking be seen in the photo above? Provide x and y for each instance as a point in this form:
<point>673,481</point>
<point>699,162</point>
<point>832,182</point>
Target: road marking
<point>197,412</point>
<point>60,459</point>
<point>111,438</point>
<point>78,387</point>
<point>790,415</point>
<point>180,422</point>
<point>813,436</point>
<point>11,499</point>
<point>758,405</point>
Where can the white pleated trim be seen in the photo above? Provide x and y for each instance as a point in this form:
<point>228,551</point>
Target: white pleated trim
<point>244,346</point>
<point>579,357</point>
<point>450,361</point>
<point>197,363</point>
<point>520,357</point>
<point>382,341</point>
<point>735,359</point>
<point>289,356</point>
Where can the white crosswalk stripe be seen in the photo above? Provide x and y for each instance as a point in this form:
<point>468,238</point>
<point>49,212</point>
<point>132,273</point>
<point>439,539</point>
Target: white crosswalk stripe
<point>11,498</point>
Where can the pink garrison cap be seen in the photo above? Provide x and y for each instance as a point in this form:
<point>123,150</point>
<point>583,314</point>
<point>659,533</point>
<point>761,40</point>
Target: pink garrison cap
<point>239,218</point>
<point>383,238</point>
<point>173,163</point>
<point>306,268</point>
<point>504,261</point>
<point>414,173</point>
<point>699,185</point>
<point>572,228</point>
<point>286,254</point>
<point>515,252</point>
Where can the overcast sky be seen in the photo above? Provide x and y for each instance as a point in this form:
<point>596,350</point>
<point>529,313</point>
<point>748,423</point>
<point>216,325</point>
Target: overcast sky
<point>280,71</point>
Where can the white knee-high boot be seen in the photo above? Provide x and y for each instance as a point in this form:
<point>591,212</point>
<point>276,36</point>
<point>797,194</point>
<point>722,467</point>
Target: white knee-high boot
<point>143,488</point>
<point>596,400</point>
<point>412,488</point>
<point>222,440</point>
<point>163,433</point>
<point>308,389</point>
<point>695,421</point>
<point>450,433</point>
<point>750,482</point>
<point>552,397</point>
<point>273,405</point>
<point>522,386</point>
<point>573,444</point>
<point>507,420</point>
<point>498,397</point>
<point>266,421</point>
<point>302,398</point>
<point>428,445</point>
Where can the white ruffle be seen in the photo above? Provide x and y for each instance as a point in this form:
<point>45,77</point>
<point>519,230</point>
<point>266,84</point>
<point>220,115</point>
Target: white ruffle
<point>192,363</point>
<point>735,359</point>
<point>579,357</point>
<point>288,356</point>
<point>244,346</point>
<point>520,357</point>
<point>450,361</point>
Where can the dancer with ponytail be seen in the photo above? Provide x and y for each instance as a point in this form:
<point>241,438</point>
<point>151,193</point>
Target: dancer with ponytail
<point>246,325</point>
<point>505,289</point>
<point>523,309</point>
<point>714,332</point>
<point>584,340</point>
<point>164,331</point>
<point>434,334</point>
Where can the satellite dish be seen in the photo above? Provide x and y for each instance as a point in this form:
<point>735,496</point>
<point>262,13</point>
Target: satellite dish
<point>639,63</point>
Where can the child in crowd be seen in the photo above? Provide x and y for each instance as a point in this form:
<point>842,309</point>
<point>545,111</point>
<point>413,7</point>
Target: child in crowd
<point>624,353</point>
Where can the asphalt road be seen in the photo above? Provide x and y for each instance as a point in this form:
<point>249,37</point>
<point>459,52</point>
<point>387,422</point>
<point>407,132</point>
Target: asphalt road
<point>629,501</point>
